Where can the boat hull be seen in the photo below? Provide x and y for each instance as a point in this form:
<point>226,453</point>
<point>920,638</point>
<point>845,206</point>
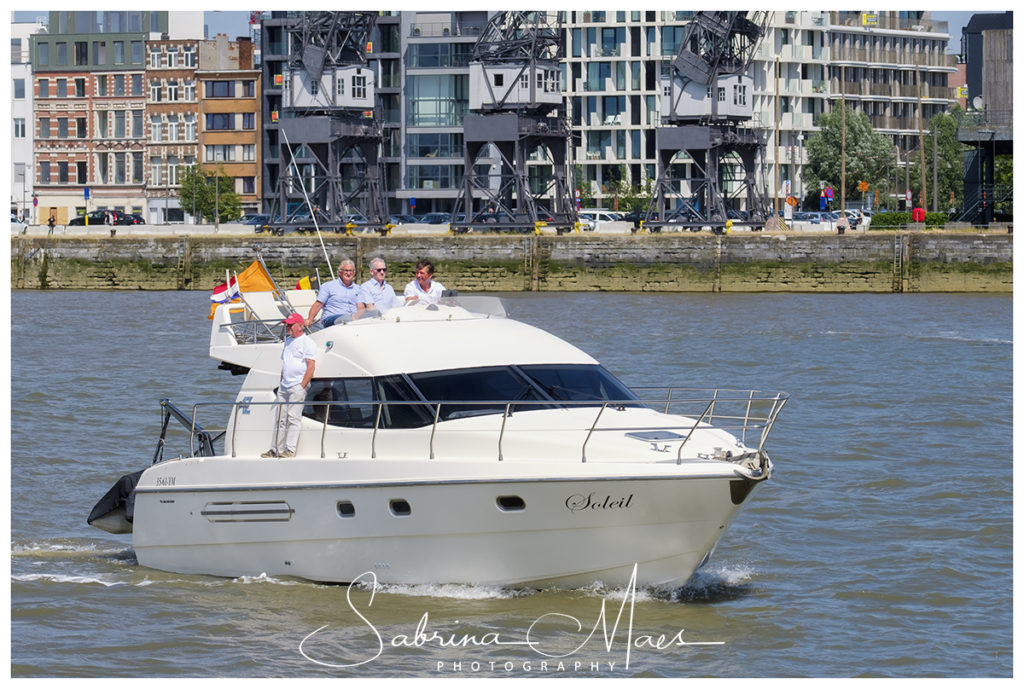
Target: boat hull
<point>556,531</point>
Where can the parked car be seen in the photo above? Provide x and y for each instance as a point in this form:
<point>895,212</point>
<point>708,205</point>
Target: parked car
<point>403,219</point>
<point>436,218</point>
<point>101,217</point>
<point>136,219</point>
<point>254,219</point>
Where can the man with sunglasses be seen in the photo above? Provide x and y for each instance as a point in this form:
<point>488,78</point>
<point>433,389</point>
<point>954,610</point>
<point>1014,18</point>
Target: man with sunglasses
<point>379,294</point>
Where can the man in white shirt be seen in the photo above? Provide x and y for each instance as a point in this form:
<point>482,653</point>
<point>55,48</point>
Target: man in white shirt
<point>377,291</point>
<point>298,361</point>
<point>423,289</point>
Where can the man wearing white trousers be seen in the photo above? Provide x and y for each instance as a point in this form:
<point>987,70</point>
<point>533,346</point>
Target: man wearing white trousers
<point>298,361</point>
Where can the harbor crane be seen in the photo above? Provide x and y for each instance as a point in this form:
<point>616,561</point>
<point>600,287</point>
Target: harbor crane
<point>706,106</point>
<point>517,112</point>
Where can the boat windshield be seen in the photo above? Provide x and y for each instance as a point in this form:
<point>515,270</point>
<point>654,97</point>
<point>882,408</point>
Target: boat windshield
<point>411,401</point>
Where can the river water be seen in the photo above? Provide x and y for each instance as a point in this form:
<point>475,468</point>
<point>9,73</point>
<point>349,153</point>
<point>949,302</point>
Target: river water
<point>881,547</point>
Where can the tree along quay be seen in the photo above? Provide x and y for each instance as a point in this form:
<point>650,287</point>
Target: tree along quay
<point>667,262</point>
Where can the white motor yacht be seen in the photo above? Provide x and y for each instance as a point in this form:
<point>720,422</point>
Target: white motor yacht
<point>442,444</point>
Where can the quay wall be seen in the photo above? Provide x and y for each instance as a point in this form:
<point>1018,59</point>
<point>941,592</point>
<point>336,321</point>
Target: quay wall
<point>670,262</point>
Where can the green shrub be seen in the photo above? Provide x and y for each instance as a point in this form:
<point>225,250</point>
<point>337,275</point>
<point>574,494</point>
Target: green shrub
<point>888,221</point>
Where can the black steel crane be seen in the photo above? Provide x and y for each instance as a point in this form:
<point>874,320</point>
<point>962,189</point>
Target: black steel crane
<point>516,111</point>
<point>330,126</point>
<point>706,99</point>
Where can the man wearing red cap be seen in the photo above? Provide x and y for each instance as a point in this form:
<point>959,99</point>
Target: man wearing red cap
<point>298,360</point>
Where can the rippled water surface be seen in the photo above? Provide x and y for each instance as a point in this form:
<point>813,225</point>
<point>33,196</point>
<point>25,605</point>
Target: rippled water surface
<point>881,547</point>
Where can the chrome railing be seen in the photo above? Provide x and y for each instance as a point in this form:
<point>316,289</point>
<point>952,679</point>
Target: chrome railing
<point>748,415</point>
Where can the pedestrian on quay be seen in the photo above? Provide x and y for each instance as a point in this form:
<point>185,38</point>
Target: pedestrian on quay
<point>377,291</point>
<point>423,289</point>
<point>340,298</point>
<point>298,362</point>
<point>51,223</point>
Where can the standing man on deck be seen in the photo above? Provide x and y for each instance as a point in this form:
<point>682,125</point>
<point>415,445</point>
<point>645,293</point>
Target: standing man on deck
<point>298,361</point>
<point>341,298</point>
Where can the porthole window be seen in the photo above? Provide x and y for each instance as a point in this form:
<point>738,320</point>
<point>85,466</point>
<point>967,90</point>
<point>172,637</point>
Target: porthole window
<point>400,508</point>
<point>511,503</point>
<point>346,509</point>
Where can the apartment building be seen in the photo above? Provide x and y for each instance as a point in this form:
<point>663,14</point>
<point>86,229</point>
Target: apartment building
<point>88,115</point>
<point>172,116</point>
<point>22,121</point>
<point>229,115</point>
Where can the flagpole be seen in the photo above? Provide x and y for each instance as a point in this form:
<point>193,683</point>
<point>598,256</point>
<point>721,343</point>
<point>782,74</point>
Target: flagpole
<point>309,205</point>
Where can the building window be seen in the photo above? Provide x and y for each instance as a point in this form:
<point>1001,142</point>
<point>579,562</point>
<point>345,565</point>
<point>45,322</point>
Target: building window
<point>81,172</point>
<point>248,120</point>
<point>44,127</point>
<point>137,124</point>
<point>44,172</point>
<point>120,124</point>
<point>248,185</point>
<point>19,89</point>
<point>118,52</point>
<point>43,54</point>
<point>62,127</point>
<point>19,127</point>
<point>172,56</point>
<point>220,121</point>
<point>120,168</point>
<point>248,152</point>
<point>119,89</point>
<point>101,85</point>
<point>62,54</point>
<point>156,171</point>
<point>81,53</point>
<point>156,128</point>
<point>188,55</point>
<point>172,128</point>
<point>44,88</point>
<point>190,127</point>
<point>172,171</point>
<point>62,172</point>
<point>172,90</point>
<point>80,128</point>
<point>137,85</point>
<point>248,88</point>
<point>189,90</point>
<point>154,58</point>
<point>359,86</point>
<point>137,168</point>
<point>155,91</point>
<point>102,130</point>
<point>136,52</point>
<point>220,89</point>
<point>62,88</point>
<point>80,88</point>
<point>99,52</point>
<point>220,153</point>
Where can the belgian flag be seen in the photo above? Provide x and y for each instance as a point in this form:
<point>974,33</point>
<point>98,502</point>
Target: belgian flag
<point>309,282</point>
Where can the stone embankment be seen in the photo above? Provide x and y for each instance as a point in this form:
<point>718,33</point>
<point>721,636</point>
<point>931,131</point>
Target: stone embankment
<point>668,262</point>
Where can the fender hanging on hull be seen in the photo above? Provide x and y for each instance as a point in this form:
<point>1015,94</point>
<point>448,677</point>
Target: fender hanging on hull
<point>115,510</point>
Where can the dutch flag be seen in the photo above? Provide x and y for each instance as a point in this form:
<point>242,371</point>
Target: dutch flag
<point>226,292</point>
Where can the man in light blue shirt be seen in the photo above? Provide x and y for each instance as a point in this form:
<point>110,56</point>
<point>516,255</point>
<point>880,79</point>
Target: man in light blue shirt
<point>341,298</point>
<point>378,292</point>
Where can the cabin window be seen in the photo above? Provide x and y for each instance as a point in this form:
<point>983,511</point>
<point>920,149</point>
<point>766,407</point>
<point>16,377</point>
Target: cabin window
<point>488,388</point>
<point>341,401</point>
<point>400,508</point>
<point>346,509</point>
<point>578,383</point>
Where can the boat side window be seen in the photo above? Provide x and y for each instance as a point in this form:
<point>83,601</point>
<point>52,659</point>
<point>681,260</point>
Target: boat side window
<point>488,388</point>
<point>402,410</point>
<point>578,382</point>
<point>341,401</point>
